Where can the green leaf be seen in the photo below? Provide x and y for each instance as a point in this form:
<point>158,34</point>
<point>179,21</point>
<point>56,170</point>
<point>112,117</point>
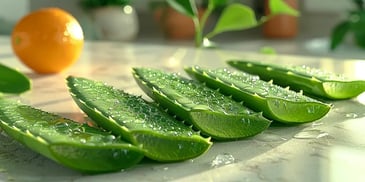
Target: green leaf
<point>185,7</point>
<point>359,4</point>
<point>360,38</point>
<point>280,7</point>
<point>12,81</point>
<point>208,110</point>
<point>218,3</point>
<point>357,24</point>
<point>313,82</point>
<point>67,142</point>
<point>275,102</point>
<point>139,122</point>
<point>235,17</point>
<point>339,33</point>
<point>268,50</point>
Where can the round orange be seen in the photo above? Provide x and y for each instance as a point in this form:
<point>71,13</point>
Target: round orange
<point>48,40</point>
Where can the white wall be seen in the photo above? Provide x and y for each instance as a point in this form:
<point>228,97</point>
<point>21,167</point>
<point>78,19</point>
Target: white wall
<point>11,10</point>
<point>327,5</point>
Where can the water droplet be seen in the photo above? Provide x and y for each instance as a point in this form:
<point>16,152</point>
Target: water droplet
<point>109,138</point>
<point>116,155</point>
<point>222,159</point>
<point>311,134</point>
<point>314,124</point>
<point>311,110</point>
<point>160,168</point>
<point>201,107</point>
<point>269,137</point>
<point>351,115</point>
<point>83,140</point>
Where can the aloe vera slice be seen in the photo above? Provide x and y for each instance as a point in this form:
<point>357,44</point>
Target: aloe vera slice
<point>75,145</point>
<point>312,81</point>
<point>12,81</point>
<point>209,111</point>
<point>161,137</point>
<point>274,101</point>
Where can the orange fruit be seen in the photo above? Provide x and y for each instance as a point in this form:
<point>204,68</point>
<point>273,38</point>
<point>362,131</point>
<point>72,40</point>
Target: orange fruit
<point>47,40</point>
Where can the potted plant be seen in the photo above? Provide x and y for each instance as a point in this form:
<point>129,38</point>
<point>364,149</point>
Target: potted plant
<point>354,23</point>
<point>235,16</point>
<point>113,19</point>
<point>173,24</point>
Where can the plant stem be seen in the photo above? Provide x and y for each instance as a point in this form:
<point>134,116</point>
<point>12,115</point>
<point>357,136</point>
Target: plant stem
<point>199,26</point>
<point>198,32</point>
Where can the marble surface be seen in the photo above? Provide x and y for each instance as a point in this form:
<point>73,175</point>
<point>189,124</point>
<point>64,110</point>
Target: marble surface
<point>330,149</point>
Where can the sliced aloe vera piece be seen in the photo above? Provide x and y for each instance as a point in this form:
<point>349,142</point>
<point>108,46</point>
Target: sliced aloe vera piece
<point>274,101</point>
<point>312,81</point>
<point>12,81</point>
<point>75,145</point>
<point>162,137</point>
<point>208,110</point>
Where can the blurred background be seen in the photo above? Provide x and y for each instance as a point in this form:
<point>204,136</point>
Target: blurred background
<point>315,24</point>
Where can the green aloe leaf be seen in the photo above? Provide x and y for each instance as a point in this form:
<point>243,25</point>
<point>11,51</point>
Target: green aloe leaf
<point>12,81</point>
<point>185,7</point>
<point>209,111</point>
<point>311,81</point>
<point>339,33</point>
<point>280,7</point>
<point>275,102</point>
<point>234,17</point>
<point>75,145</point>
<point>161,137</point>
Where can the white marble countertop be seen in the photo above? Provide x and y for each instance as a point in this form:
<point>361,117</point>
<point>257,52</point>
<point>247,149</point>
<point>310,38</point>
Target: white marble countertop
<point>330,149</point>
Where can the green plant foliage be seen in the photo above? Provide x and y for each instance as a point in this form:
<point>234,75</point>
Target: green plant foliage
<point>275,102</point>
<point>209,111</point>
<point>67,142</point>
<point>311,81</point>
<point>161,137</point>
<point>184,7</point>
<point>280,7</point>
<point>12,81</point>
<point>354,23</point>
<point>234,17</point>
<point>339,33</point>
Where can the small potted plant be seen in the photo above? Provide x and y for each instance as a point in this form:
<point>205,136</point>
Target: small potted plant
<point>235,16</point>
<point>174,25</point>
<point>113,19</point>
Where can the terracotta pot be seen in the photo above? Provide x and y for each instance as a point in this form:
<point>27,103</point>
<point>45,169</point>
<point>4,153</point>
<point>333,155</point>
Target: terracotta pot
<point>281,26</point>
<point>175,25</point>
